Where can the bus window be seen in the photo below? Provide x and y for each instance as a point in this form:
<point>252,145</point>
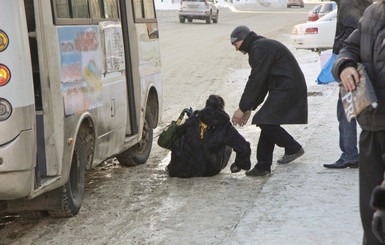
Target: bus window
<point>149,12</point>
<point>80,9</point>
<point>111,9</point>
<point>144,11</point>
<point>97,9</point>
<point>138,8</point>
<point>62,8</point>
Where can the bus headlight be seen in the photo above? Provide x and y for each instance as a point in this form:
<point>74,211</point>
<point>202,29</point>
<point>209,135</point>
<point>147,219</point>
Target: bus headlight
<point>3,41</point>
<point>5,75</point>
<point>5,109</point>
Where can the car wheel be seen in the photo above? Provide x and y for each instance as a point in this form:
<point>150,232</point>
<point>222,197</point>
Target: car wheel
<point>182,19</point>
<point>289,6</point>
<point>139,153</point>
<point>208,19</point>
<point>215,20</point>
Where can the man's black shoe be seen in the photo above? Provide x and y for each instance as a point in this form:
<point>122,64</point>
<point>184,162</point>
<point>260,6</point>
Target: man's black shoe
<point>257,172</point>
<point>234,168</point>
<point>292,157</point>
<point>341,164</point>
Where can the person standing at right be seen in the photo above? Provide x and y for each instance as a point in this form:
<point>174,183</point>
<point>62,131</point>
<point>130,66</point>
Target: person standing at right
<point>367,46</point>
<point>348,16</point>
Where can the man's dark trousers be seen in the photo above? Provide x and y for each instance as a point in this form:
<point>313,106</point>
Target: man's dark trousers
<point>270,136</point>
<point>371,174</point>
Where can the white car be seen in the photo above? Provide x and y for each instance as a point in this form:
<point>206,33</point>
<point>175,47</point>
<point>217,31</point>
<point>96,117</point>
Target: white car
<point>317,35</point>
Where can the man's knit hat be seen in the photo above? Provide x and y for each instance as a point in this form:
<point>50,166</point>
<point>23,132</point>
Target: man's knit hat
<point>239,33</point>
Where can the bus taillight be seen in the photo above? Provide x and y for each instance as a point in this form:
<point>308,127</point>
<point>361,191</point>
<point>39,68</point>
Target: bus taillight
<point>5,109</point>
<point>3,41</point>
<point>5,75</point>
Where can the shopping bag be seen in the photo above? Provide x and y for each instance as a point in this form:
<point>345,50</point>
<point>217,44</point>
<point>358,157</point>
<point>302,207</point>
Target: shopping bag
<point>168,136</point>
<point>325,75</point>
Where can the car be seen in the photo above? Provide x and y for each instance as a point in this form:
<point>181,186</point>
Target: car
<point>327,8</point>
<point>317,35</point>
<point>295,3</point>
<point>198,9</point>
<point>313,14</point>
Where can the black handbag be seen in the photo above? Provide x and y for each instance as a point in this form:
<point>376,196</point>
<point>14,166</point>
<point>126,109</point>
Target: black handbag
<point>168,136</point>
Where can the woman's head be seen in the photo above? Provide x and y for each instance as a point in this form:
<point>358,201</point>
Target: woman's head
<point>215,101</point>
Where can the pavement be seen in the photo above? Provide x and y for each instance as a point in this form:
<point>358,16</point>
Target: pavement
<point>303,202</point>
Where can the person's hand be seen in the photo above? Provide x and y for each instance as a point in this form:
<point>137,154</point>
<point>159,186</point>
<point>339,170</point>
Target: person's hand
<point>378,225</point>
<point>245,118</point>
<point>237,117</point>
<point>349,76</point>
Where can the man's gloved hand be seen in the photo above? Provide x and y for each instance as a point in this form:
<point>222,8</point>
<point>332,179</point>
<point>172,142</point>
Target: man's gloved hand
<point>378,225</point>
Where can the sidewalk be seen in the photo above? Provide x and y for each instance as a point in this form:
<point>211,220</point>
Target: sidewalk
<point>302,202</point>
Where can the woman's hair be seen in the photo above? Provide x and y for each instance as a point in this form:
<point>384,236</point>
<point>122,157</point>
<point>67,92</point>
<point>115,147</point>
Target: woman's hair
<point>215,101</point>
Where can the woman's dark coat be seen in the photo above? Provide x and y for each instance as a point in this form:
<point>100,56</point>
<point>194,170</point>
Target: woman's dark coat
<point>274,71</point>
<point>195,157</point>
<point>366,45</point>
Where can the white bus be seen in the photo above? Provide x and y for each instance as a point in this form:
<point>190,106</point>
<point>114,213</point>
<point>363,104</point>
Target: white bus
<point>80,82</point>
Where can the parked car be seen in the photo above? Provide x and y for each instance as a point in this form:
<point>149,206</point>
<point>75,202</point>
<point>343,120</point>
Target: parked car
<point>313,14</point>
<point>198,9</point>
<point>327,8</point>
<point>317,35</point>
<point>295,3</point>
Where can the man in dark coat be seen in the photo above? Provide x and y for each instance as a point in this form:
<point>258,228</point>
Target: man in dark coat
<point>348,16</point>
<point>367,46</point>
<point>204,140</point>
<point>274,71</point>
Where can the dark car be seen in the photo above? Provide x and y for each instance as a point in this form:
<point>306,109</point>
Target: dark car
<point>313,14</point>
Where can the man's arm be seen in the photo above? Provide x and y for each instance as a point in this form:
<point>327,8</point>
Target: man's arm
<point>345,67</point>
<point>256,87</point>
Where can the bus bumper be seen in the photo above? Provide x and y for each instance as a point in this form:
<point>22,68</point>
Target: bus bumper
<point>17,166</point>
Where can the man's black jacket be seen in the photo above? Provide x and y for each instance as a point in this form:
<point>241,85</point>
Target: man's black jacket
<point>274,71</point>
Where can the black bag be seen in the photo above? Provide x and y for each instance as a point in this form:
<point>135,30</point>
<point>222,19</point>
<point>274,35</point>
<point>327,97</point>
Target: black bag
<point>168,137</point>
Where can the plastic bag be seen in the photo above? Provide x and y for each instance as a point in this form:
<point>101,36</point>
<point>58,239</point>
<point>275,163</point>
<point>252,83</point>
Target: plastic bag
<point>325,75</point>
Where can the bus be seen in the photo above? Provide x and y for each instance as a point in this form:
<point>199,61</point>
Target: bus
<point>80,82</point>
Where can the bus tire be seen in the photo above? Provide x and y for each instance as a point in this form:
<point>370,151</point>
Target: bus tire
<point>139,153</point>
<point>72,192</point>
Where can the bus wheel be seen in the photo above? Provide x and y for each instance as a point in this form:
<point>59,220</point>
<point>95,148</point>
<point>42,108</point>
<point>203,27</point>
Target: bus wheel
<point>72,192</point>
<point>139,153</point>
